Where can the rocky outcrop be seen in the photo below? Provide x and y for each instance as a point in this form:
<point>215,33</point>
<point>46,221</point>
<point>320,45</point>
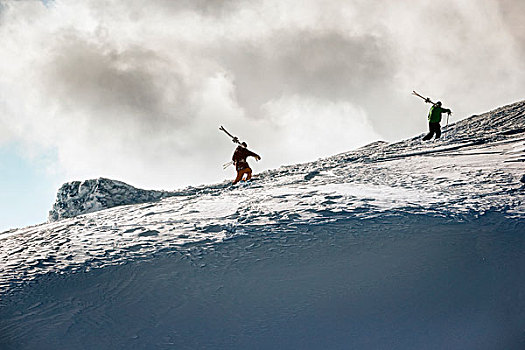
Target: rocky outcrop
<point>81,197</point>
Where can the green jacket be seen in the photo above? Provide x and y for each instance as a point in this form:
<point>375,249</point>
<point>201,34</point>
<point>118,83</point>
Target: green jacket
<point>434,115</point>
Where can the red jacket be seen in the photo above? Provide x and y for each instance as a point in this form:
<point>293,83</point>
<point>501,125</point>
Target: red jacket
<point>240,155</point>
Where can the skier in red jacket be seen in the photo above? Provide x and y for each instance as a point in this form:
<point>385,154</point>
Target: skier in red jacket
<point>241,165</point>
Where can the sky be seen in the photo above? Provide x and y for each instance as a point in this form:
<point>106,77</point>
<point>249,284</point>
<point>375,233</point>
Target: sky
<point>135,91</point>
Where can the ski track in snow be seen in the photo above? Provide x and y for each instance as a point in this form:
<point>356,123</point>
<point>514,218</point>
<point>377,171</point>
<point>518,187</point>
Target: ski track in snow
<point>455,176</point>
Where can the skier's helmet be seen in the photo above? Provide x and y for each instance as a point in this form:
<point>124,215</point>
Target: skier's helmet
<point>244,144</point>
<point>438,103</point>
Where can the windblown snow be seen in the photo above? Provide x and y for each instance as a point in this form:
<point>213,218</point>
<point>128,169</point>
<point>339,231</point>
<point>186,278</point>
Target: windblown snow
<point>409,245</point>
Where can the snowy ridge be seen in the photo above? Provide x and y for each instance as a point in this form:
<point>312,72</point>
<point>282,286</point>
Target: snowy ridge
<point>389,238</point>
<point>77,198</point>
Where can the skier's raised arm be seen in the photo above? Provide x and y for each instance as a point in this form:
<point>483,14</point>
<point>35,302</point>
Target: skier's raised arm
<point>252,154</point>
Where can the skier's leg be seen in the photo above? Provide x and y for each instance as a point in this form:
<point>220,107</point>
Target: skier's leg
<point>249,172</point>
<point>246,171</point>
<point>438,130</point>
<point>239,176</point>
<point>430,132</point>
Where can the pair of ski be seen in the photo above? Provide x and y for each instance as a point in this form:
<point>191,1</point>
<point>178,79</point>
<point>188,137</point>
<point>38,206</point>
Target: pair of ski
<point>427,100</point>
<point>235,139</point>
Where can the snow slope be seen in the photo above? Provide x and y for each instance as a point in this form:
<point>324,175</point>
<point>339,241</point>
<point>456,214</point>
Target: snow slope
<point>408,245</point>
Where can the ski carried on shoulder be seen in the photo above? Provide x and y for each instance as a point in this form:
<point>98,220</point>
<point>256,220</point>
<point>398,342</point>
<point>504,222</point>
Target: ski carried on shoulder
<point>427,100</point>
<point>235,139</point>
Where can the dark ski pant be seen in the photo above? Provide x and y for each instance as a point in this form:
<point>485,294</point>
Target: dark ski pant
<point>433,128</point>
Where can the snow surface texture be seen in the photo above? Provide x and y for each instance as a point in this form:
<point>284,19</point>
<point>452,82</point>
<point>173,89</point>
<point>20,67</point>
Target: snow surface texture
<point>409,245</point>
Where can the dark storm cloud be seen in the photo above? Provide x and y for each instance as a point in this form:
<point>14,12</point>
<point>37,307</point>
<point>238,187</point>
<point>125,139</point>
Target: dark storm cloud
<point>131,87</point>
<point>326,65</point>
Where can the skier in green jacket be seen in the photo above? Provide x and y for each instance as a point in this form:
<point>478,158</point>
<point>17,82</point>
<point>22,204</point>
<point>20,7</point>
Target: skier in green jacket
<point>434,117</point>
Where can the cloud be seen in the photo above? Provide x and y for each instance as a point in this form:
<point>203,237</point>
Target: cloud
<point>346,124</point>
<point>320,65</point>
<point>136,90</point>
